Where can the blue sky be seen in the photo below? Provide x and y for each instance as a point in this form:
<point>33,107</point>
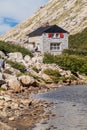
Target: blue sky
<point>13,12</point>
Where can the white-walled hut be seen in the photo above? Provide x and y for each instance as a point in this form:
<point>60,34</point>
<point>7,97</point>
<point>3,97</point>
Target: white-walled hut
<point>52,39</point>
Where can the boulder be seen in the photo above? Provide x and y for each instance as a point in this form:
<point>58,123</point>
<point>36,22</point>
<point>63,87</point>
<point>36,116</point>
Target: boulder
<point>27,58</point>
<point>2,54</point>
<point>4,86</point>
<point>34,59</point>
<point>38,66</point>
<point>16,56</point>
<point>13,83</point>
<point>26,80</point>
<point>11,70</point>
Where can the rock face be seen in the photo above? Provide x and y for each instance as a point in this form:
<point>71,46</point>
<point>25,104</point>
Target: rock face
<point>69,14</point>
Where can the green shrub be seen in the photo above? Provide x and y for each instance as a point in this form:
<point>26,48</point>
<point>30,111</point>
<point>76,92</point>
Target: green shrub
<point>78,41</point>
<point>51,72</point>
<point>54,74</point>
<point>68,62</point>
<point>9,47</point>
<point>72,77</point>
<point>8,71</point>
<point>17,65</point>
<point>49,58</point>
<point>74,52</point>
<point>2,89</point>
<point>35,69</point>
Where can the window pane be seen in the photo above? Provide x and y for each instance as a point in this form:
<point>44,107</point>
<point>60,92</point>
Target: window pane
<point>54,46</point>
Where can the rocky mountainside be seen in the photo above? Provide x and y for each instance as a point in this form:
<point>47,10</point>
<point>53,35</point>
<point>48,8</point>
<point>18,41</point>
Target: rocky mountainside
<point>69,14</point>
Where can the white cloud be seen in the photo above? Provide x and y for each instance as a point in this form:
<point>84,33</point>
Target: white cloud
<point>18,10</point>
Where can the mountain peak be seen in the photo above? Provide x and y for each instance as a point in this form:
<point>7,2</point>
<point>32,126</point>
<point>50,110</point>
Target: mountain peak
<point>68,14</point>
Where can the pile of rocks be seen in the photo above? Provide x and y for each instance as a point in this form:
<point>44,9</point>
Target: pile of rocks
<point>16,80</point>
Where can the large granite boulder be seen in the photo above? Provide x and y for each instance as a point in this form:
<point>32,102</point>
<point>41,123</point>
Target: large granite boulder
<point>28,81</point>
<point>16,56</point>
<point>13,82</point>
<point>27,58</point>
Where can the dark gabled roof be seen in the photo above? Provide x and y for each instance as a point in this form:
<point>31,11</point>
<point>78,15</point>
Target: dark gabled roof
<point>48,29</point>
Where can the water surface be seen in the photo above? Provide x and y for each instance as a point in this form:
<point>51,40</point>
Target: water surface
<point>70,111</point>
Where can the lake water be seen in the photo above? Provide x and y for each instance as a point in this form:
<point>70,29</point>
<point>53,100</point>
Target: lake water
<point>70,110</point>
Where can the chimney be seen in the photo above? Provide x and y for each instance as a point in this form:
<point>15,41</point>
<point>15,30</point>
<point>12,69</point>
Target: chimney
<point>45,24</point>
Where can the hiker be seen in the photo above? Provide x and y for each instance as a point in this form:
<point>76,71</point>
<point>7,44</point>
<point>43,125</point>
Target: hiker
<point>36,48</point>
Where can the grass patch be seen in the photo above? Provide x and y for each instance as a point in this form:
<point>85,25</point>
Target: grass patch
<point>2,89</point>
<point>9,47</point>
<point>17,65</point>
<point>74,52</point>
<point>8,71</point>
<point>78,41</point>
<point>68,62</point>
<point>54,75</point>
<point>39,79</point>
<point>35,69</point>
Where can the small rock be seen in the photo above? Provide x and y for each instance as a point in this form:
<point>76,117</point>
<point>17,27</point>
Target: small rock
<point>11,119</point>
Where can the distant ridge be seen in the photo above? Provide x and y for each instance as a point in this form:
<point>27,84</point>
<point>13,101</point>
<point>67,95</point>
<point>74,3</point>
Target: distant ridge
<point>68,14</point>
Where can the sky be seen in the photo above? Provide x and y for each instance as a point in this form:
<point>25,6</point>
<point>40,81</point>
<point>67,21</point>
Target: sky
<point>13,12</point>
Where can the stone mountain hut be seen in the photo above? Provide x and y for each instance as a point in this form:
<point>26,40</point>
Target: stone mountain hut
<point>52,39</point>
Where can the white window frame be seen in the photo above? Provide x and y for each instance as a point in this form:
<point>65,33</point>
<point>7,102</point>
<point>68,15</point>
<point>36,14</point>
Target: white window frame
<point>54,46</point>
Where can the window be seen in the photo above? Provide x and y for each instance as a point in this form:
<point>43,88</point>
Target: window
<point>54,46</point>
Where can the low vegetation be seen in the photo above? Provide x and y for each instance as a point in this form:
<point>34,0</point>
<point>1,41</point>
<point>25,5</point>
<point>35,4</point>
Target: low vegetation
<point>75,52</point>
<point>68,62</point>
<point>2,89</point>
<point>17,65</point>
<point>7,71</point>
<point>9,47</point>
<point>54,75</point>
<point>35,69</point>
<point>77,44</point>
<point>78,41</point>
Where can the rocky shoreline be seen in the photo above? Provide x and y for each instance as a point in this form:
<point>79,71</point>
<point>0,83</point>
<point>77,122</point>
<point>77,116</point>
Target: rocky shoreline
<point>18,110</point>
